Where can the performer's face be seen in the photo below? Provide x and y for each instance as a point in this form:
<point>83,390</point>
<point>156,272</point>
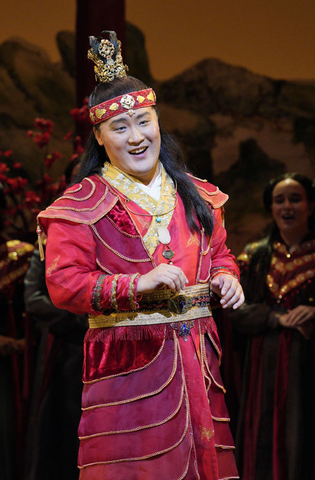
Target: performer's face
<point>133,143</point>
<point>290,207</point>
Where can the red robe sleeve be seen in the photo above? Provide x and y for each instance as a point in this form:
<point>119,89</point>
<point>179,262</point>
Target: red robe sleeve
<point>222,259</point>
<point>73,278</point>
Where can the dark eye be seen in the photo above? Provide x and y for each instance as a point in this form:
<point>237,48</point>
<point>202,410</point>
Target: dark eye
<point>295,199</point>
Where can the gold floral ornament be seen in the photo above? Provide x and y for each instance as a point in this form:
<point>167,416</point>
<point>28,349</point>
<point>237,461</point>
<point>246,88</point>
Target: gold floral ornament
<point>128,102</point>
<point>106,54</point>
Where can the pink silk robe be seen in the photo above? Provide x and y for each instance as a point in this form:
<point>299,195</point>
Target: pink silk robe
<point>153,402</point>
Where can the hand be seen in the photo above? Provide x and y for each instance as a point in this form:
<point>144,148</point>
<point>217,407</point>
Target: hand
<point>301,318</point>
<point>163,275</point>
<point>297,316</point>
<point>9,345</point>
<point>230,289</point>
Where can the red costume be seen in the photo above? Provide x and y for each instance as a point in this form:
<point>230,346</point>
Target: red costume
<point>153,400</point>
<point>276,426</point>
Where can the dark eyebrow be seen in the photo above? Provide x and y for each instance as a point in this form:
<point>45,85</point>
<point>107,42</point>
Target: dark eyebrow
<point>124,120</point>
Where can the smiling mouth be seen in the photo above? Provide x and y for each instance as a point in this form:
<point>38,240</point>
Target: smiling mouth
<point>138,151</point>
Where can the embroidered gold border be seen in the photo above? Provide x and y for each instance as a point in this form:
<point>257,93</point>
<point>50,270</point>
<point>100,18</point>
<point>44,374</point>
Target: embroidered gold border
<point>70,197</point>
<point>186,428</point>
<point>89,382</point>
<point>125,184</point>
<point>132,292</point>
<point>133,260</point>
<point>113,298</point>
<point>104,268</point>
<point>290,285</point>
<point>144,457</point>
<point>139,397</point>
<point>129,235</point>
<point>127,319</point>
<point>142,427</point>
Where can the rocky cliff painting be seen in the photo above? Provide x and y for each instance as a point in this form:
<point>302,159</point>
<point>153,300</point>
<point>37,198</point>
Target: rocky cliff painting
<point>238,129</point>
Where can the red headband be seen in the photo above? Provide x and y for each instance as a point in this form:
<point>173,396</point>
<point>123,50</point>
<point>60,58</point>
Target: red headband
<point>122,104</point>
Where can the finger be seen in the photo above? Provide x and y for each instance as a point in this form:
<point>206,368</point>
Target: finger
<point>178,272</point>
<point>227,284</point>
<point>239,302</point>
<point>176,280</point>
<point>231,298</point>
<point>297,317</point>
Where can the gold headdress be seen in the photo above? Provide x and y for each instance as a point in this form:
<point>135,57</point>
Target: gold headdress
<point>106,54</point>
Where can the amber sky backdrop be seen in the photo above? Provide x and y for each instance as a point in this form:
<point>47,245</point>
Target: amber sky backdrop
<point>270,37</point>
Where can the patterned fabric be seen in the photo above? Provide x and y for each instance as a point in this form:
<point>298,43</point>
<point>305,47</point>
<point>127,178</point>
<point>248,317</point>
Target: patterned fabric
<point>163,209</point>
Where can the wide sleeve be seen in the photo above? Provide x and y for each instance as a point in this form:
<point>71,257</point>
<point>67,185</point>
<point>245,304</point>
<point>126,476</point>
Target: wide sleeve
<point>73,278</point>
<point>222,259</point>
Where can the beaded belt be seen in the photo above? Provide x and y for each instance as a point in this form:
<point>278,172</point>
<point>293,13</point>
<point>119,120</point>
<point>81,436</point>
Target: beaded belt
<point>161,306</point>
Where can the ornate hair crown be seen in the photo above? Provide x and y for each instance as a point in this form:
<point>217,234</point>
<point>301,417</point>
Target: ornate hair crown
<point>106,54</point>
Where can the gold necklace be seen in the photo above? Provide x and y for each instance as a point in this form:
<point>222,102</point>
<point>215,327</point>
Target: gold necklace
<point>164,238</point>
<point>157,215</point>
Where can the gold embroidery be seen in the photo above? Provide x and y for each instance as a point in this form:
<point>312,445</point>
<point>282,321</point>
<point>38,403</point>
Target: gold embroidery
<point>193,239</point>
<point>290,285</point>
<point>127,185</point>
<point>151,96</point>
<point>140,98</point>
<point>89,195</point>
<point>89,382</point>
<point>177,353</point>
<point>290,266</point>
<point>113,298</point>
<point>131,292</point>
<point>142,427</point>
<point>99,112</point>
<point>114,107</point>
<point>206,433</point>
<point>134,260</point>
<point>53,266</point>
<point>307,246</point>
<point>171,375</point>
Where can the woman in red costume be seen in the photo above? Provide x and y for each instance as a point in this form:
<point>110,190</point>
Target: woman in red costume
<point>136,244</point>
<point>276,431</point>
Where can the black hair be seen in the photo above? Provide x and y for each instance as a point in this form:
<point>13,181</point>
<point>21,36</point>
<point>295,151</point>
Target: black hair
<point>68,173</point>
<point>171,156</point>
<point>307,184</point>
<point>255,289</point>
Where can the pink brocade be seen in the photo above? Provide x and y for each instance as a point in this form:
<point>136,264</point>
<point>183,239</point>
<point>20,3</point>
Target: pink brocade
<point>155,412</point>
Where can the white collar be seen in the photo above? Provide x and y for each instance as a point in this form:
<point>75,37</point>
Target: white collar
<point>155,189</point>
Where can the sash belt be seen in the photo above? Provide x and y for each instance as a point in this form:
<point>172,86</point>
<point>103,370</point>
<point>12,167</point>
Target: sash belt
<point>161,306</point>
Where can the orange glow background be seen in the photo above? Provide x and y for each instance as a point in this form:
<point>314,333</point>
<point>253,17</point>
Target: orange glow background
<point>275,38</point>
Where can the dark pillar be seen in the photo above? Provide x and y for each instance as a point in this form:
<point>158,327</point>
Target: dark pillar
<point>94,16</point>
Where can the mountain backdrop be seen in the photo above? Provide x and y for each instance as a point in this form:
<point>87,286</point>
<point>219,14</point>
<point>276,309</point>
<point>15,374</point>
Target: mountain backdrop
<point>238,129</point>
